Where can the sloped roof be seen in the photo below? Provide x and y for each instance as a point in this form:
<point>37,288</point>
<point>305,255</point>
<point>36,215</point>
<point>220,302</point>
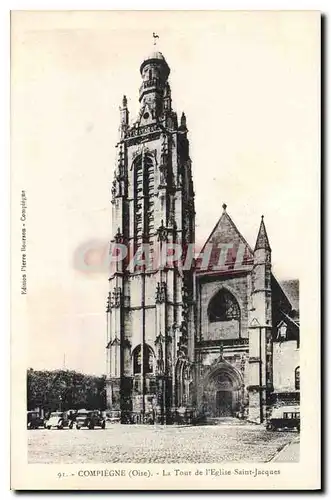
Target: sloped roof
<point>226,238</point>
<point>291,289</point>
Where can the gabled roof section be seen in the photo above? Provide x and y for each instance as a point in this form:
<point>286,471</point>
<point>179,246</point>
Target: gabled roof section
<point>262,240</point>
<point>282,310</point>
<point>291,289</point>
<point>229,251</point>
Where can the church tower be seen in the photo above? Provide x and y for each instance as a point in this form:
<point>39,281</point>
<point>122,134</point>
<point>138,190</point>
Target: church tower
<point>150,307</point>
<point>260,330</point>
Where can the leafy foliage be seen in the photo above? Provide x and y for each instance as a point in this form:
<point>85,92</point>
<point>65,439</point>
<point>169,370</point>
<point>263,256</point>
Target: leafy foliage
<point>65,390</point>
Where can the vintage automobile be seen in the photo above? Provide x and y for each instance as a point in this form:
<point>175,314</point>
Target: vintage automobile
<point>57,420</point>
<point>284,417</point>
<point>113,416</point>
<point>34,421</point>
<point>89,419</point>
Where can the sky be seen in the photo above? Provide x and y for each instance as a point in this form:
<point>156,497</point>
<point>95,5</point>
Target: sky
<point>249,86</point>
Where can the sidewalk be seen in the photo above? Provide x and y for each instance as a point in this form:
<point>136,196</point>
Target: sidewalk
<point>290,452</point>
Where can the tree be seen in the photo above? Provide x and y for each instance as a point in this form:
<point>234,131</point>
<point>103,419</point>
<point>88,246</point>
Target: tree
<point>64,390</point>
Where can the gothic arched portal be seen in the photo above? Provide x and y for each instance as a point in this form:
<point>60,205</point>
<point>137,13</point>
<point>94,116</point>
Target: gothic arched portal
<point>222,391</point>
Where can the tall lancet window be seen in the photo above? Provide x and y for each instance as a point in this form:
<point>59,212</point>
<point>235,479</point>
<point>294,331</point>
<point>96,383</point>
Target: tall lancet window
<point>143,201</point>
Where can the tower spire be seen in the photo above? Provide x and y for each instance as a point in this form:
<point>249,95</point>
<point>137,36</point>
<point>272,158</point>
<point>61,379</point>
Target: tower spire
<point>262,240</point>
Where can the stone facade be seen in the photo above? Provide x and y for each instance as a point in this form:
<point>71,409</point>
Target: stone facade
<point>205,338</point>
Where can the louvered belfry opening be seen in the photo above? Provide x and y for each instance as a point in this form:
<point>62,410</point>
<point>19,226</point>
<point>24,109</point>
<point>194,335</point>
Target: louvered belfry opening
<point>144,203</point>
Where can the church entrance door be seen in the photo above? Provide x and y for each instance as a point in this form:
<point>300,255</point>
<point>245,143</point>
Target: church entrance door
<point>223,405</point>
<point>222,391</point>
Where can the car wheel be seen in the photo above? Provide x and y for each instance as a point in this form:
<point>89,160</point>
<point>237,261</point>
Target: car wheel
<point>71,425</point>
<point>77,427</point>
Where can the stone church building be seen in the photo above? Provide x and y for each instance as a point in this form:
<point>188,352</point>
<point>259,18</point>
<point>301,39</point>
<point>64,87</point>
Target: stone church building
<point>220,337</point>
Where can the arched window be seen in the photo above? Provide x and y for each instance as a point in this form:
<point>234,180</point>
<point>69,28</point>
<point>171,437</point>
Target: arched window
<point>143,200</point>
<point>297,378</point>
<point>223,307</point>
<point>148,360</point>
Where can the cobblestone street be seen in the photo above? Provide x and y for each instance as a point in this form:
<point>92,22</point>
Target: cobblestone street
<point>157,444</point>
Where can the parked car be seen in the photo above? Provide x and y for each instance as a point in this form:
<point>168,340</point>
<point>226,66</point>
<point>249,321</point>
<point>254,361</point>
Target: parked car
<point>89,419</point>
<point>285,417</point>
<point>58,420</point>
<point>113,416</point>
<point>34,421</point>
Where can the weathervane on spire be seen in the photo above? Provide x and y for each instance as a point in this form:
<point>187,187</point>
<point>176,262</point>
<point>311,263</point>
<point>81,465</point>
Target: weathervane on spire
<point>155,36</point>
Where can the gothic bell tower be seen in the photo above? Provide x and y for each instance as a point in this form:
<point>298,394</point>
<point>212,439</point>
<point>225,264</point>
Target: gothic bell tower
<point>150,307</point>
<point>260,330</point>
